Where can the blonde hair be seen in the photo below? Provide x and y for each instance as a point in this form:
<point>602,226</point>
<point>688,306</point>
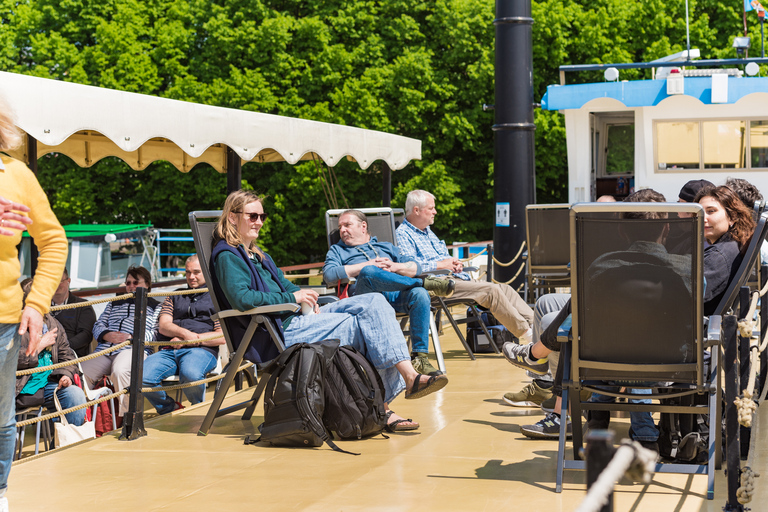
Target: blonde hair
<point>10,136</point>
<point>225,230</point>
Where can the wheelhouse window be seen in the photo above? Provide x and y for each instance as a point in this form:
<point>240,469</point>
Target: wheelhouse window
<point>678,145</point>
<point>758,136</point>
<point>720,144</point>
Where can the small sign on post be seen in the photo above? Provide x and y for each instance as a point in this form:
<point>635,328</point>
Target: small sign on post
<point>502,215</point>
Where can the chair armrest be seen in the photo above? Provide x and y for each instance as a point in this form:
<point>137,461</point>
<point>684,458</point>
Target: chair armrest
<point>287,307</point>
<point>714,330</point>
<point>470,269</point>
<point>327,299</point>
<point>441,272</point>
<point>564,331</point>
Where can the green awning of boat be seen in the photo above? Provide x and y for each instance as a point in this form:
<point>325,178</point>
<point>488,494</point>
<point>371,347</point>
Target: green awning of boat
<point>96,232</point>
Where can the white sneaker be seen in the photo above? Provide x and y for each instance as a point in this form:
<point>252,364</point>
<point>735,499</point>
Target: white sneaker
<point>3,504</point>
<point>527,337</point>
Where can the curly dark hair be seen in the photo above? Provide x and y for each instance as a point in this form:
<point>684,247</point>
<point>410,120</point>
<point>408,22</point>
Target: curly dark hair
<point>743,222</point>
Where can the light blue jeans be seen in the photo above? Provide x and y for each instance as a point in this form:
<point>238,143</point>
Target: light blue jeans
<point>405,294</point>
<point>69,396</point>
<point>9,357</point>
<point>190,364</point>
<point>367,323</point>
<point>544,312</point>
<point>643,427</point>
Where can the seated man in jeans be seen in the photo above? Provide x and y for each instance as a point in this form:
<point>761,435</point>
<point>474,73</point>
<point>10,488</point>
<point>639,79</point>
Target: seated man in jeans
<point>379,267</point>
<point>184,318</point>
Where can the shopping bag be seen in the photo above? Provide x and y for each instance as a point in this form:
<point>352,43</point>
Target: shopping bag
<point>66,433</point>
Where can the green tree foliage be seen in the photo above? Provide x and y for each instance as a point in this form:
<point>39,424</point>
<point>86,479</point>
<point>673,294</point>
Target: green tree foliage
<point>418,69</point>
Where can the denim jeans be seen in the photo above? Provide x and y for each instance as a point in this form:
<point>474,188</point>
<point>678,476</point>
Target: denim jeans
<point>544,312</point>
<point>9,357</point>
<point>69,396</point>
<point>367,323</point>
<point>190,364</point>
<point>405,294</point>
<point>643,427</point>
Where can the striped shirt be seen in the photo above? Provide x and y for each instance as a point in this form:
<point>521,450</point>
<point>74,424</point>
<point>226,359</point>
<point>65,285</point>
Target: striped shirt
<point>424,247</point>
<point>118,317</point>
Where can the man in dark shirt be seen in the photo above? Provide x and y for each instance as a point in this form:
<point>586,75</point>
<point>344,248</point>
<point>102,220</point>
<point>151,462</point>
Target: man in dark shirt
<point>77,322</point>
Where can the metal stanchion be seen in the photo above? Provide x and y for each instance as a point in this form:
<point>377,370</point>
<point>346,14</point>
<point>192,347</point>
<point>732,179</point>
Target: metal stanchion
<point>732,448</point>
<point>489,267</point>
<point>133,420</point>
<point>599,453</point>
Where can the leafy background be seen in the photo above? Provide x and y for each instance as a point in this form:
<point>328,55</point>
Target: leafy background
<point>419,69</point>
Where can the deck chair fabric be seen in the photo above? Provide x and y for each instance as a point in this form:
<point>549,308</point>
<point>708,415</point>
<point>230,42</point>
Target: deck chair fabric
<point>382,223</point>
<point>637,318</point>
<point>257,322</point>
<point>548,256</point>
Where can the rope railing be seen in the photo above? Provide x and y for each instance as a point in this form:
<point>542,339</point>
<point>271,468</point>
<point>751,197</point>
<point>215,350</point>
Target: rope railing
<point>91,302</point>
<point>519,252</point>
<point>522,266</point>
<point>191,291</point>
<point>745,404</point>
<point>182,342</point>
<point>71,409</point>
<point>631,459</point>
<point>192,384</point>
<point>72,362</point>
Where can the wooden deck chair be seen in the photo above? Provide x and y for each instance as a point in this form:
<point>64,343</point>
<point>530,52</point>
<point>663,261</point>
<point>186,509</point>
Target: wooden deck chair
<point>203,224</point>
<point>637,316</point>
<point>381,224</point>
<point>548,255</point>
<point>443,306</point>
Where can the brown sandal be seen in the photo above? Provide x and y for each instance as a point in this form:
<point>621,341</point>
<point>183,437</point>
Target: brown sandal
<point>419,390</point>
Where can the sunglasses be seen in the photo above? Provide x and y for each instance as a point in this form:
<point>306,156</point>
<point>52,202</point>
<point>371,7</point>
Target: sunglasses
<point>253,217</point>
<point>131,283</point>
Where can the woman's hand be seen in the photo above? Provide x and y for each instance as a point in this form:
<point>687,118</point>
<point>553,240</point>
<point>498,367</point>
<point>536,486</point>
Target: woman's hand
<point>64,382</point>
<point>47,340</point>
<point>10,221</point>
<point>307,296</point>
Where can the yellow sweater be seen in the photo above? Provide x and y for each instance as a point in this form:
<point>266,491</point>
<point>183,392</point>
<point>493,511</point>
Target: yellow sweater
<point>20,185</point>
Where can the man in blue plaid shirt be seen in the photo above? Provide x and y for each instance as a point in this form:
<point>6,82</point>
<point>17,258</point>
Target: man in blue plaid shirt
<point>416,239</point>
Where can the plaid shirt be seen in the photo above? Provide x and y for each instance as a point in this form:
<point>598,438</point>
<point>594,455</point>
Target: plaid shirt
<point>424,247</point>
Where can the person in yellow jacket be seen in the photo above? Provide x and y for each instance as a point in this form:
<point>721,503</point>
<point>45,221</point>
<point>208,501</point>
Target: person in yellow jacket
<point>23,205</point>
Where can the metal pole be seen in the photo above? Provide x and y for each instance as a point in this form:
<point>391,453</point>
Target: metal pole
<point>234,171</point>
<point>687,33</point>
<point>32,163</point>
<point>599,453</point>
<point>386,185</point>
<point>513,131</point>
<point>489,266</point>
<point>133,420</point>
<point>732,445</point>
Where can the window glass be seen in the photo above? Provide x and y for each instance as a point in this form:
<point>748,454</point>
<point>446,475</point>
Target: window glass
<point>677,145</point>
<point>724,144</point>
<point>620,150</point>
<point>758,142</point>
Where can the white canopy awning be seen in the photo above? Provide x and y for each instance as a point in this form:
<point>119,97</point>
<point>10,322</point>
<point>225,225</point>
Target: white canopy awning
<point>89,123</point>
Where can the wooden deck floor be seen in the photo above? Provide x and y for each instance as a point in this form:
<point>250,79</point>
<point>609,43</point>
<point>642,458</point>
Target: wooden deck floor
<point>468,455</point>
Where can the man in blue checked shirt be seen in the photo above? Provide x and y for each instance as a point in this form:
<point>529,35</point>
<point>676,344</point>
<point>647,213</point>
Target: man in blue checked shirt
<point>416,240</point>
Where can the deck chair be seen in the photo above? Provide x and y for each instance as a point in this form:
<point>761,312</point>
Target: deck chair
<point>381,224</point>
<point>203,224</point>
<point>443,306</point>
<point>547,260</point>
<point>637,318</point>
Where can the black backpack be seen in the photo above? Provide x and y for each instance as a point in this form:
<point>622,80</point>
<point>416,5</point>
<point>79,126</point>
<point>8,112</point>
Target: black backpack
<point>354,396</point>
<point>294,401</point>
<point>684,437</point>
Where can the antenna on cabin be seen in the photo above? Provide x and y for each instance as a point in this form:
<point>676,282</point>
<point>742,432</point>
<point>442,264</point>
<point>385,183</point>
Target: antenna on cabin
<point>687,33</point>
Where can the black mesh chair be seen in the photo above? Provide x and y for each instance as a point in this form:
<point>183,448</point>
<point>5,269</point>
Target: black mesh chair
<point>548,258</point>
<point>637,318</point>
<point>381,224</point>
<point>203,224</point>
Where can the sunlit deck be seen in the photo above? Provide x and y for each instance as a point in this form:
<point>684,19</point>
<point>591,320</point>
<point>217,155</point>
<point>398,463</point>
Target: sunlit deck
<point>468,455</point>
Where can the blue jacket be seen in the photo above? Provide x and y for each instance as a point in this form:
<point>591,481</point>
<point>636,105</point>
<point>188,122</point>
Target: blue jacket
<point>341,254</point>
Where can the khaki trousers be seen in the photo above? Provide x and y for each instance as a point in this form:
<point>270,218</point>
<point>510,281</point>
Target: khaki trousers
<point>501,299</point>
